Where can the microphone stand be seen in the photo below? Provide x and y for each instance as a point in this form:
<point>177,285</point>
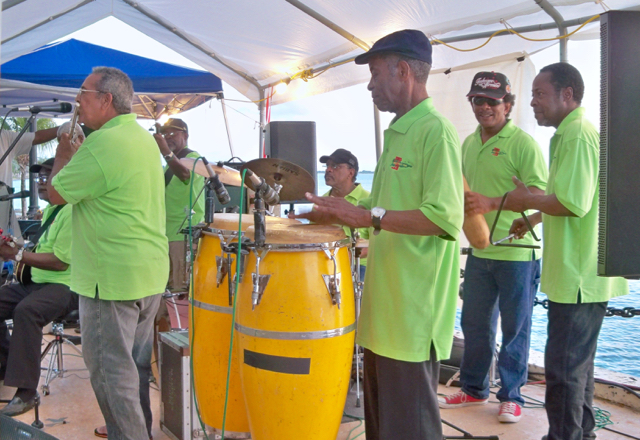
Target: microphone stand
<point>15,141</point>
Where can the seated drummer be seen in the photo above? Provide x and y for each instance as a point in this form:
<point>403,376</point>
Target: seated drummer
<point>341,170</point>
<point>32,305</point>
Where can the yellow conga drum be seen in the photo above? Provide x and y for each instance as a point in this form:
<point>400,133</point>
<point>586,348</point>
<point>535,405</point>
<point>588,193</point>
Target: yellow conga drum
<point>210,332</point>
<point>296,332</point>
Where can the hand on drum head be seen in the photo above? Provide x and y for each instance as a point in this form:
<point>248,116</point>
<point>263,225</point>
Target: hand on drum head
<point>335,210</point>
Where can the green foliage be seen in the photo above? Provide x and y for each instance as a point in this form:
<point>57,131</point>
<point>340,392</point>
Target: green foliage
<point>16,124</point>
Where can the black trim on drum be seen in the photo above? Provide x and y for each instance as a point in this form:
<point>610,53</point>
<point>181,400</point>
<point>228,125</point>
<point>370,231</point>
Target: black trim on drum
<point>277,364</point>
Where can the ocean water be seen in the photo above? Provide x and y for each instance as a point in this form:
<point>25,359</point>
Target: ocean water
<point>618,348</point>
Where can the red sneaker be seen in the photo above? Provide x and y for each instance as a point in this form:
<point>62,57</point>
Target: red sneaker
<point>510,412</point>
<point>458,400</point>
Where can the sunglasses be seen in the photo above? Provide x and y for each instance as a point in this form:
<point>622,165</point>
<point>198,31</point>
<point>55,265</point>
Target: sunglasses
<point>481,100</point>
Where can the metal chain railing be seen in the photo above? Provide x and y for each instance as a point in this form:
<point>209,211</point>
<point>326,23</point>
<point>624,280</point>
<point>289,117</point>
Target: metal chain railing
<point>626,312</point>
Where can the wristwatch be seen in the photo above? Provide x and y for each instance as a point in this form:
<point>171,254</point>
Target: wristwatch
<point>376,216</point>
<point>19,254</point>
<point>169,156</point>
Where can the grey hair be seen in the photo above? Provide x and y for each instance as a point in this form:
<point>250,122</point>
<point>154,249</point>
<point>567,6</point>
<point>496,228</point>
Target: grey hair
<point>419,68</point>
<point>116,82</point>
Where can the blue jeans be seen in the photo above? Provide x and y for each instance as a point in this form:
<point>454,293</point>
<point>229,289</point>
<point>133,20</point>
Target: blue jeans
<point>493,287</point>
<point>117,341</point>
<point>568,365</point>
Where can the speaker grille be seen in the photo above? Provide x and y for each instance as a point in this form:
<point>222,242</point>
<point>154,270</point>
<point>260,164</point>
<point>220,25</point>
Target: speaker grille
<point>604,145</point>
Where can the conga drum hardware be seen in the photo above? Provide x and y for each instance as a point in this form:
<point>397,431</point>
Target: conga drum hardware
<point>259,281</point>
<point>333,281</point>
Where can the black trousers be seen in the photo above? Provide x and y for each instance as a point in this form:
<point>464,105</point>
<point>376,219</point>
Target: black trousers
<point>569,356</point>
<point>400,398</point>
<point>31,307</point>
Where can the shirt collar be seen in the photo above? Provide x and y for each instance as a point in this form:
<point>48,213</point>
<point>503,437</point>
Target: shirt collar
<point>575,114</point>
<point>120,119</point>
<point>402,124</point>
<point>507,131</point>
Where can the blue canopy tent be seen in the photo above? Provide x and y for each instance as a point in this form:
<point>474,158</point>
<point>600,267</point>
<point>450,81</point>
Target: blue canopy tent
<point>55,72</point>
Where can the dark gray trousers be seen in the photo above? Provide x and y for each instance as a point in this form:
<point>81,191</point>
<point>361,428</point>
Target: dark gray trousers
<point>31,307</point>
<point>571,349</point>
<point>400,398</point>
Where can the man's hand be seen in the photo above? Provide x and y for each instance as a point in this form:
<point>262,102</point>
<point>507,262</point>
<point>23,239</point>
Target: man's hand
<point>476,203</point>
<point>66,149</point>
<point>519,227</point>
<point>335,210</point>
<point>162,144</point>
<point>517,200</point>
<point>7,252</point>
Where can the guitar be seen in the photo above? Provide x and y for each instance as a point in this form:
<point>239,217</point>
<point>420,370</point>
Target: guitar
<point>21,271</point>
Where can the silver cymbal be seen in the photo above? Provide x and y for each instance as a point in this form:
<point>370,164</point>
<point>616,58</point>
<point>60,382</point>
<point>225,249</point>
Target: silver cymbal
<point>295,180</point>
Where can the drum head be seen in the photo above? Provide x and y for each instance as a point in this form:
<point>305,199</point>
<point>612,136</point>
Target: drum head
<point>229,222</point>
<point>300,233</point>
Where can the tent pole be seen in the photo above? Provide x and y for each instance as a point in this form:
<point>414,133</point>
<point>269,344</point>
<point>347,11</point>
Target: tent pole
<point>261,108</point>
<point>562,27</point>
<point>376,124</point>
<point>226,123</point>
<point>33,159</point>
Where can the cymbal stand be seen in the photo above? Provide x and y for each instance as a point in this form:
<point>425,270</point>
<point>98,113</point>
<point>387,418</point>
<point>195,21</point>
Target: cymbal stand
<point>466,435</point>
<point>358,294</point>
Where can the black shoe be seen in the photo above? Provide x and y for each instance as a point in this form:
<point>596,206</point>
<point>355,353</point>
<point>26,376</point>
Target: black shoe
<point>17,406</point>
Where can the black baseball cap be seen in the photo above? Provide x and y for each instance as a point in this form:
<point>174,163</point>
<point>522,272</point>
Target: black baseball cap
<point>494,85</point>
<point>342,156</point>
<point>46,164</point>
<point>409,42</point>
<point>174,124</point>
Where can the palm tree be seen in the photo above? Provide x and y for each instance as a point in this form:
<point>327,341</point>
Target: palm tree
<point>20,166</point>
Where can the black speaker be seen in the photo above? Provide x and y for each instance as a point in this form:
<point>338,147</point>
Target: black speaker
<point>294,141</point>
<point>619,145</point>
<point>11,429</point>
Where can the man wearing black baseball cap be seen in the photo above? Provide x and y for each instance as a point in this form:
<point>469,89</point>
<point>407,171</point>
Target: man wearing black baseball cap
<point>340,174</point>
<point>172,142</point>
<point>503,276</point>
<point>34,302</point>
<point>416,212</point>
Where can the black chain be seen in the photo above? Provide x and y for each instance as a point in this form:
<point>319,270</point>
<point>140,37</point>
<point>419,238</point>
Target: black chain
<point>627,312</point>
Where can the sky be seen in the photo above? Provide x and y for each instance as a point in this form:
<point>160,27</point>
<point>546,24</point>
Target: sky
<point>344,118</point>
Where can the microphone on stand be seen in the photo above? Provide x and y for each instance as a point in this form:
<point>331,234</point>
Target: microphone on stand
<point>63,107</point>
<point>221,192</point>
<point>18,195</point>
<point>270,195</point>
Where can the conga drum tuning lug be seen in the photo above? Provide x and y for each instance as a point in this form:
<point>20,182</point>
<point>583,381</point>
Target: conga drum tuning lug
<point>223,266</point>
<point>259,284</point>
<point>333,286</point>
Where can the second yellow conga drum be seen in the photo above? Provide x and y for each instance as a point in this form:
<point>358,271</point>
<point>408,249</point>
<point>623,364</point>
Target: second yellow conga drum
<point>210,333</point>
<point>296,344</point>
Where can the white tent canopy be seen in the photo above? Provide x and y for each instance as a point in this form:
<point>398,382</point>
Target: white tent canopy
<point>254,44</point>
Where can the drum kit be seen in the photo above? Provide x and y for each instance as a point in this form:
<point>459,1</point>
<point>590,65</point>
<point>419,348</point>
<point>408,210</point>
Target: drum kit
<point>295,291</point>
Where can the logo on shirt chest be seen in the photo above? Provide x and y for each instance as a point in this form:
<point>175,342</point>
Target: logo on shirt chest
<point>397,163</point>
<point>497,152</point>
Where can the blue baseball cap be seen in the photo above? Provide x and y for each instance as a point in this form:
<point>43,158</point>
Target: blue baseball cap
<point>409,42</point>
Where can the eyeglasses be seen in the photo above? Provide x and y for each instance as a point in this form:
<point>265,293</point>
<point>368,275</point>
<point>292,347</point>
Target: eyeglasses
<point>90,91</point>
<point>481,100</point>
<point>42,179</point>
<point>172,132</point>
<point>335,166</point>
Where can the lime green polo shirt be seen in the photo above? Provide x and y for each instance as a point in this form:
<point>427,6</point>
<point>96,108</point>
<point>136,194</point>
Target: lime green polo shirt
<point>354,197</point>
<point>570,256</point>
<point>176,196</point>
<point>115,183</point>
<point>488,169</point>
<point>411,284</point>
<point>56,240</point>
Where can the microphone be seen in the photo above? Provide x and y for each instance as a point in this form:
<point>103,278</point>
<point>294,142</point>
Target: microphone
<point>221,192</point>
<point>18,195</point>
<point>270,195</point>
<point>63,107</point>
